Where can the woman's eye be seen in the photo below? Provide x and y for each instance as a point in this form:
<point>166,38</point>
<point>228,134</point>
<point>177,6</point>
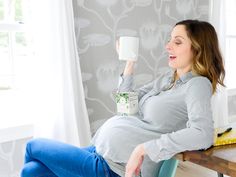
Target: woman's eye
<point>177,43</point>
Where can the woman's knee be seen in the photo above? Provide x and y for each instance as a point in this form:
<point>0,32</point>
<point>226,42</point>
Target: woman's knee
<point>36,141</point>
<point>32,143</point>
<point>29,169</point>
<point>33,147</point>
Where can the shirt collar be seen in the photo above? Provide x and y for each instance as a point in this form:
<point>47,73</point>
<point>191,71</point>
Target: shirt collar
<point>183,79</point>
<point>186,77</point>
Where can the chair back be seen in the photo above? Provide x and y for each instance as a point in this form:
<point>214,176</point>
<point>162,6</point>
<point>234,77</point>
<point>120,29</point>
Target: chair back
<point>168,168</point>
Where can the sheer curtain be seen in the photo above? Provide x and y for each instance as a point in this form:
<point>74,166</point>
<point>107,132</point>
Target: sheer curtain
<point>57,91</point>
<point>219,99</point>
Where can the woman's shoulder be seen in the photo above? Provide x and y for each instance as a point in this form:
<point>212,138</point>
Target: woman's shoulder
<point>199,84</point>
<point>198,79</point>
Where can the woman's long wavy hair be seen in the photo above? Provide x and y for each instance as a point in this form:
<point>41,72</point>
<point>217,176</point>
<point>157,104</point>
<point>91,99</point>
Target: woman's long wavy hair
<point>207,58</point>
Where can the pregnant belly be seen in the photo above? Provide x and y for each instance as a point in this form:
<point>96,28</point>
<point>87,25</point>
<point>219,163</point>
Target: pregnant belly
<point>117,138</point>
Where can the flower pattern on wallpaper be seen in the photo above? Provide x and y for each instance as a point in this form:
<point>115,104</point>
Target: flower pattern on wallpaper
<point>203,9</point>
<point>149,34</point>
<point>82,22</point>
<point>106,75</point>
<point>86,76</point>
<point>107,3</point>
<point>165,30</point>
<point>99,23</point>
<point>142,3</point>
<point>184,7</point>
<point>96,39</point>
<point>126,32</point>
<point>80,2</point>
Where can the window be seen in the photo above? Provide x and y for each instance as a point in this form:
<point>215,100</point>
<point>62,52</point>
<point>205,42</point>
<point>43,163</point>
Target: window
<point>15,58</point>
<point>14,42</point>
<point>230,43</point>
<point>230,60</point>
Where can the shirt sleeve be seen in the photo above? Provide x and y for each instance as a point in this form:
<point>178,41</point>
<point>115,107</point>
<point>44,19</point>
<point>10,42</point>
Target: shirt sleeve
<point>126,85</point>
<point>199,131</point>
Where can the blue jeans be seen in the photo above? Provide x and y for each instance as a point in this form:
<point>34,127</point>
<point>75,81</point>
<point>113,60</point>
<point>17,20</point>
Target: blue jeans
<point>48,158</point>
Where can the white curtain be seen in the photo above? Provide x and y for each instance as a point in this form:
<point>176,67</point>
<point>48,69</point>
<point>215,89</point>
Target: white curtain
<point>57,91</point>
<point>219,99</point>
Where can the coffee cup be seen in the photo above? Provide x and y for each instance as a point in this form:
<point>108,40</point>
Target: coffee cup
<point>128,48</point>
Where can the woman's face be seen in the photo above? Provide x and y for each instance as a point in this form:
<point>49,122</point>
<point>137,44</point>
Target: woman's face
<point>179,49</point>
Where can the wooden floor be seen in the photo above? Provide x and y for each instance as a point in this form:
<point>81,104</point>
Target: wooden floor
<point>187,169</point>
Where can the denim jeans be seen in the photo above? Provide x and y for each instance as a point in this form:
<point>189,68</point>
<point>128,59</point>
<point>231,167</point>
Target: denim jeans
<point>48,158</point>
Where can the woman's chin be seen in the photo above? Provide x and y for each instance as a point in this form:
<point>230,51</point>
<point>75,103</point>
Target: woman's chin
<point>171,65</point>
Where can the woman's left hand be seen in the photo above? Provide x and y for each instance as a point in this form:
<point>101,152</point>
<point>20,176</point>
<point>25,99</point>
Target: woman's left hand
<point>135,161</point>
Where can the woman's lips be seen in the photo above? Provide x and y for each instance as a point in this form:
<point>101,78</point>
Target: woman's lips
<point>172,57</point>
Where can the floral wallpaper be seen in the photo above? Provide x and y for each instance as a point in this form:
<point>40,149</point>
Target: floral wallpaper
<point>99,23</point>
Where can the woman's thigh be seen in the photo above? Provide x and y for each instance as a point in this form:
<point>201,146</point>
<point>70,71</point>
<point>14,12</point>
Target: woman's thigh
<point>66,160</point>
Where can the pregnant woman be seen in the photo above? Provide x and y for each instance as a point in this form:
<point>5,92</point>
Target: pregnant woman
<point>174,116</point>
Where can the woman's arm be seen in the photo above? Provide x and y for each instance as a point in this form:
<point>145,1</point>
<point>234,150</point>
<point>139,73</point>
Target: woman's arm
<point>199,133</point>
<point>126,81</point>
<point>129,68</point>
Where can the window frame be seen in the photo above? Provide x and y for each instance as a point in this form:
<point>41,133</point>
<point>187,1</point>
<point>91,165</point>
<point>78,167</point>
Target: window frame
<point>9,25</point>
<point>231,91</point>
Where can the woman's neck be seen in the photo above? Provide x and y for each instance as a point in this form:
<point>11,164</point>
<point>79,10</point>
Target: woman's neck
<point>180,73</point>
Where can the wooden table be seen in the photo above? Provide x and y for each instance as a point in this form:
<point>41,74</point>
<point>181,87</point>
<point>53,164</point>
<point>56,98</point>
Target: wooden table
<point>221,159</point>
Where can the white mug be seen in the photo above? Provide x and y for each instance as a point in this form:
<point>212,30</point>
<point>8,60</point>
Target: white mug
<point>128,48</point>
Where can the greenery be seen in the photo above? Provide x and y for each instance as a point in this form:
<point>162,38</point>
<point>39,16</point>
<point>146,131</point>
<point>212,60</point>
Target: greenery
<point>122,95</point>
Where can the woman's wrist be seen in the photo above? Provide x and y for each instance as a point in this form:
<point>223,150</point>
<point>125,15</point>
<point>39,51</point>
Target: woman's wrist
<point>141,149</point>
<point>129,68</point>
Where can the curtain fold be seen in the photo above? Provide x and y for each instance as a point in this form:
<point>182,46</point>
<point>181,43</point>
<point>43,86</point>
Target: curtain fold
<point>220,98</point>
<point>60,112</point>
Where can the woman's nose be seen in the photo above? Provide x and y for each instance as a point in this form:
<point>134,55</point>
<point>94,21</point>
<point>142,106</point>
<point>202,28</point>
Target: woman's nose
<point>168,46</point>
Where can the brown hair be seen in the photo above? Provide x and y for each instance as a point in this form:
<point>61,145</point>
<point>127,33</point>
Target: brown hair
<point>207,60</point>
